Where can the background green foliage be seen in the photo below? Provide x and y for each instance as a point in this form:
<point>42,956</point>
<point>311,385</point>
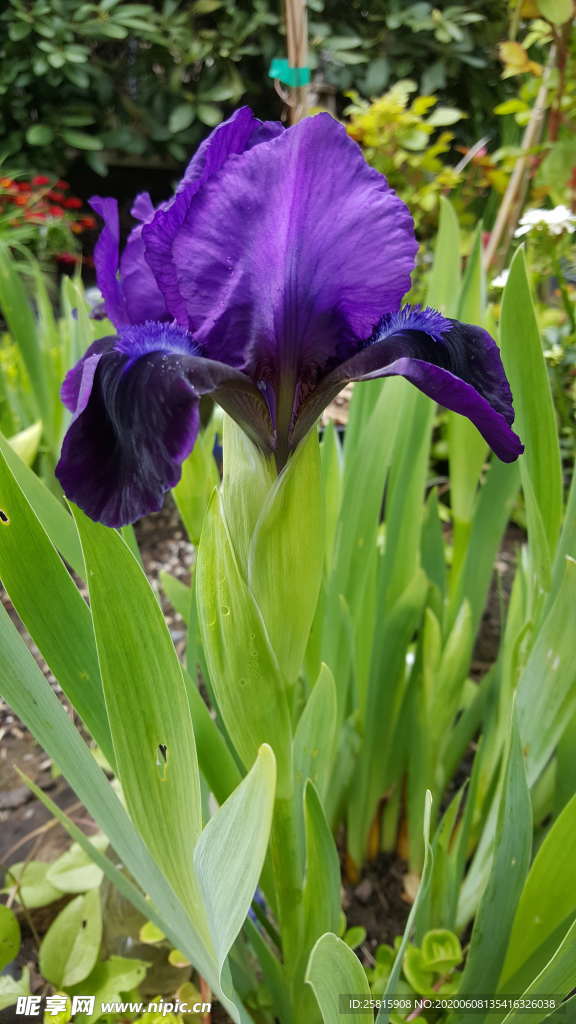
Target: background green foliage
<point>144,82</point>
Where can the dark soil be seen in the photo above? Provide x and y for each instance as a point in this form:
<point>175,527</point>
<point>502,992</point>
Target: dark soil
<point>488,642</point>
<point>379,903</point>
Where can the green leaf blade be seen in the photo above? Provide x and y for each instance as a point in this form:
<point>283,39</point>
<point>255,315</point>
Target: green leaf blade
<point>535,418</point>
<point>231,850</point>
<point>147,706</point>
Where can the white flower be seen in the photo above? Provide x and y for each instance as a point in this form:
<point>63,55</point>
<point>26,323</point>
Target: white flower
<point>93,297</point>
<point>501,279</point>
<point>558,220</point>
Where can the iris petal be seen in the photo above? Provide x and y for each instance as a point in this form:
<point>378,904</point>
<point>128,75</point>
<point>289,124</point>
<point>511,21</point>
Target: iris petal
<point>136,405</point>
<point>107,257</point>
<point>142,296</point>
<point>455,364</point>
<point>142,208</point>
<point>285,259</point>
<point>134,296</point>
<point>240,132</point>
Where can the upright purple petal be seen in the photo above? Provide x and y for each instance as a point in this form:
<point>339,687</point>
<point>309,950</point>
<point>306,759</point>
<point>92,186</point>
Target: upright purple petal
<point>129,288</point>
<point>456,364</point>
<point>284,260</point>
<point>142,208</point>
<point>135,400</point>
<point>107,257</point>
<point>240,132</point>
<point>142,297</point>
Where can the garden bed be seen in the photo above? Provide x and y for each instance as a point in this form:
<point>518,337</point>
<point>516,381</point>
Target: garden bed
<point>379,901</point>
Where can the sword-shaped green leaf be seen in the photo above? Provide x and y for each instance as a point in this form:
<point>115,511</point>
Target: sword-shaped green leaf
<point>549,895</point>
<point>57,522</point>
<point>535,417</point>
<point>148,710</point>
<point>230,852</point>
<point>512,847</point>
<point>51,607</point>
<point>547,686</point>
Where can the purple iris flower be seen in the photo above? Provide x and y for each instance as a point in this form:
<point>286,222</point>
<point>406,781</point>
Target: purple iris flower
<point>273,277</point>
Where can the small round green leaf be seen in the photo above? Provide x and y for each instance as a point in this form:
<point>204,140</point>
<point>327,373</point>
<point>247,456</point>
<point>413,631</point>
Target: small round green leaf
<point>354,937</point>
<point>421,979</point>
<point>443,116</point>
<point>209,114</point>
<point>10,989</point>
<point>181,118</point>
<point>19,31</point>
<point>39,135</point>
<point>69,949</point>
<point>56,59</point>
<point>33,888</point>
<point>441,950</point>
<point>74,871</point>
<point>81,140</point>
<point>9,936</point>
<point>111,977</point>
<point>150,933</point>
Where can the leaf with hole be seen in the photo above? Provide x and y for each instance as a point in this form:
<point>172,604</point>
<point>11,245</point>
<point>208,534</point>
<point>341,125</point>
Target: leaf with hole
<point>69,950</point>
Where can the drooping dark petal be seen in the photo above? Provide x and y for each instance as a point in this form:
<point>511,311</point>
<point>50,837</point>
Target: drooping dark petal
<point>136,405</point>
<point>107,257</point>
<point>455,364</point>
<point>242,131</point>
<point>284,260</point>
<point>77,385</point>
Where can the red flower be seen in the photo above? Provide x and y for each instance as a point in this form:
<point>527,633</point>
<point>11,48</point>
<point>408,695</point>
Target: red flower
<point>40,179</point>
<point>67,257</point>
<point>72,203</point>
<point>23,186</point>
<point>62,185</point>
<point>88,222</point>
<point>20,200</point>
<point>56,211</point>
<point>56,197</point>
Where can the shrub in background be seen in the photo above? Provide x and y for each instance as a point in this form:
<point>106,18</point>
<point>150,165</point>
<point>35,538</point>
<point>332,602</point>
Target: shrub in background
<point>142,82</point>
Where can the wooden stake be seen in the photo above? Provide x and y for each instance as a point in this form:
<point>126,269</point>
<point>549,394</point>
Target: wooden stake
<point>297,47</point>
<point>511,205</point>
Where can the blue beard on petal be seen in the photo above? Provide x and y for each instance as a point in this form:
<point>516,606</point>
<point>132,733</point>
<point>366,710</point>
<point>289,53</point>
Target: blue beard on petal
<point>411,318</point>
<point>142,339</point>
